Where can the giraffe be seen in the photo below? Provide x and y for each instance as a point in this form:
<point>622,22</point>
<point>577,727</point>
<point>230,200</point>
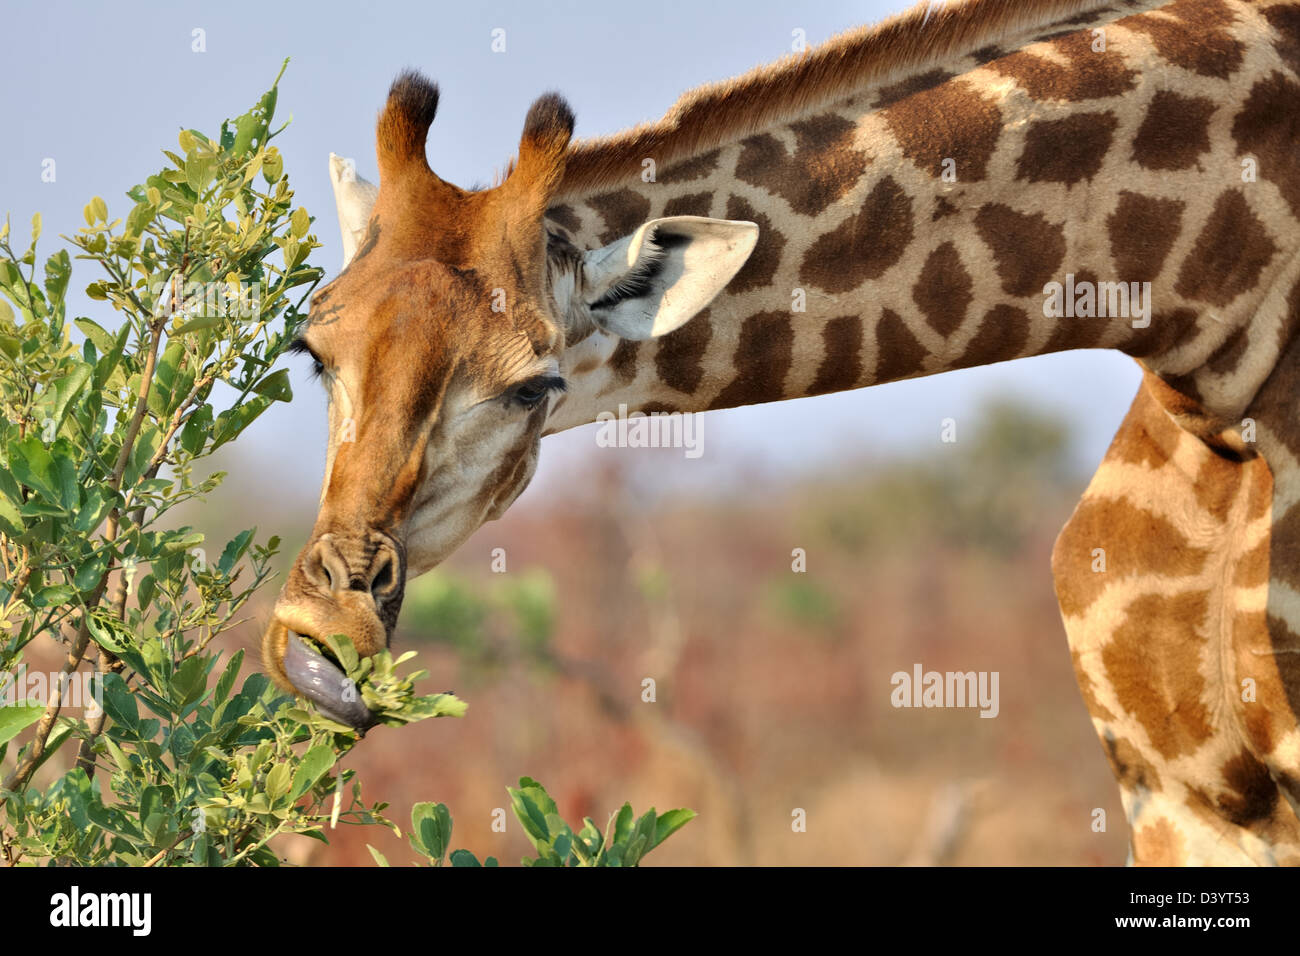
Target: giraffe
<point>901,201</point>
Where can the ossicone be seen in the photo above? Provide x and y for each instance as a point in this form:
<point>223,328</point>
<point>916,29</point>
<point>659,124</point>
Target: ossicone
<point>404,123</point>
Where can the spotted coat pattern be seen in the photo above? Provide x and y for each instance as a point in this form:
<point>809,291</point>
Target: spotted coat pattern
<point>920,219</point>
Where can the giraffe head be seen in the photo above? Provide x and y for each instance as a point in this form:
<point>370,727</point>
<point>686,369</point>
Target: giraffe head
<point>440,345</point>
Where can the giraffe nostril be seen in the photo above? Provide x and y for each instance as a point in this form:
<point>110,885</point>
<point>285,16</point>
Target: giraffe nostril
<point>327,568</point>
<point>383,582</point>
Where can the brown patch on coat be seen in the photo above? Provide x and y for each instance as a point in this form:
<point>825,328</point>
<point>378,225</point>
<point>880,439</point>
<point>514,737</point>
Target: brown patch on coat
<point>1153,662</point>
<point>1132,770</point>
<point>1090,75</point>
<point>889,95</point>
<point>1142,230</point>
<point>1248,795</point>
<point>1158,844</point>
<point>1027,248</point>
<point>1285,19</point>
<point>761,266</point>
<point>1096,709</point>
<point>691,169</point>
<point>1192,34</point>
<point>942,209</point>
<point>825,166</point>
<point>841,365</point>
<point>564,216</point>
<point>623,360</point>
<point>762,360</point>
<point>1067,150</point>
<point>1136,542</point>
<point>952,121</point>
<point>1002,335</point>
<point>623,212</point>
<point>898,353</point>
<point>1231,251</point>
<point>679,358</point>
<point>1174,132</point>
<point>865,245</point>
<point>1165,331</point>
<point>943,290</point>
<point>692,204</point>
<point>1268,128</point>
<point>1079,332</point>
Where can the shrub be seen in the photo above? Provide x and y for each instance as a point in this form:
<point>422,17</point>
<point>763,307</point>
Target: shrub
<point>208,274</point>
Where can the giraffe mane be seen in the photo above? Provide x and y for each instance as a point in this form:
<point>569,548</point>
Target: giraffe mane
<point>714,114</point>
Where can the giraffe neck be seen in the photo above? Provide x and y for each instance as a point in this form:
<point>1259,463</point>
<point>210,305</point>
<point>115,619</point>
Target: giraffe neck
<point>975,210</point>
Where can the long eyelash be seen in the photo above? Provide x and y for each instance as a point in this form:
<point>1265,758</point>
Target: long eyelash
<point>300,347</point>
<point>550,383</point>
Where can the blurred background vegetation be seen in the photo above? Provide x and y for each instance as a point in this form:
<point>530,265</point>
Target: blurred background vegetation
<point>771,687</point>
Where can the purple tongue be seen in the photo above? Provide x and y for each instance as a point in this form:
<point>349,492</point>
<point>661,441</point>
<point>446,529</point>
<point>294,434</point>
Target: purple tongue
<point>321,682</point>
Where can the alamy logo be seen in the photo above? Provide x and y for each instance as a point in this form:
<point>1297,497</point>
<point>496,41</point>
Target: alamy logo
<point>656,430</point>
<point>1085,300</point>
<point>80,689</point>
<point>75,908</point>
<point>922,688</point>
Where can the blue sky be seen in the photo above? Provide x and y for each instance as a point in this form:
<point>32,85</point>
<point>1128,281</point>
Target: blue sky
<point>101,88</point>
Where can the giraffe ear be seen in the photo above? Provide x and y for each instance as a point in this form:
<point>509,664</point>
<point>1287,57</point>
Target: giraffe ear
<point>355,199</point>
<point>660,277</point>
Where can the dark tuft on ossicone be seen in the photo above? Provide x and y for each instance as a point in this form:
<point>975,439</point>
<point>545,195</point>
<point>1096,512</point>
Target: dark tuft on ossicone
<point>404,125</point>
<point>550,118</point>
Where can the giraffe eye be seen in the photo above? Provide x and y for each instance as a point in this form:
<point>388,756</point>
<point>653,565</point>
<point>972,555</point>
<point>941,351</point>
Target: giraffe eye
<point>533,392</point>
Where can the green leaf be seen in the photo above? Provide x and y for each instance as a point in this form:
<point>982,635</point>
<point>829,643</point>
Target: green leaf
<point>58,270</point>
<point>138,218</point>
<point>17,717</point>
<point>278,781</point>
<point>66,388</point>
<point>88,575</point>
<point>531,816</point>
<point>431,829</point>
<point>11,521</point>
<point>190,681</point>
<point>234,420</point>
<point>104,342</point>
<point>299,223</point>
<point>623,824</point>
<point>98,503</point>
<point>669,823</point>
<point>234,551</point>
<point>32,465</point>
<point>119,702</point>
<point>198,171</point>
<point>342,647</point>
<point>197,429</point>
<point>464,858</point>
<point>379,857</point>
<point>54,596</point>
<point>108,364</point>
<point>227,679</point>
<point>197,323</point>
<point>276,386</point>
<point>118,754</point>
<point>314,764</point>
